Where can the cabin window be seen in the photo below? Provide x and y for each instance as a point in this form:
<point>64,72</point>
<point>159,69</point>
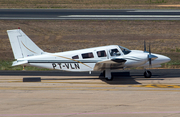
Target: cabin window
<point>87,55</point>
<point>101,53</point>
<point>75,57</point>
<point>114,52</point>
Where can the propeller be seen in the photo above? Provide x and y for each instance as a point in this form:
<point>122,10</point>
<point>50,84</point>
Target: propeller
<point>150,56</point>
<point>144,46</point>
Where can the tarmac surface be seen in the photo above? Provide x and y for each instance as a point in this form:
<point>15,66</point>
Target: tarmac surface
<point>83,95</point>
<point>88,14</point>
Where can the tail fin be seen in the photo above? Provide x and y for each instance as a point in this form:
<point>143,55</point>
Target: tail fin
<point>22,45</point>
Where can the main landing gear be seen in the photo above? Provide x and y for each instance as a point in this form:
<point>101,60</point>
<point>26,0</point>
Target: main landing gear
<point>147,74</point>
<point>107,74</point>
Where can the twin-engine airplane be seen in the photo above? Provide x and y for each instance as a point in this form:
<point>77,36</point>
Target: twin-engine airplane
<point>104,58</point>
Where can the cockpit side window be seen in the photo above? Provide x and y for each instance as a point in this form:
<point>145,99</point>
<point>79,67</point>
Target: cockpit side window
<point>101,53</point>
<point>87,55</point>
<point>114,52</point>
<point>75,57</point>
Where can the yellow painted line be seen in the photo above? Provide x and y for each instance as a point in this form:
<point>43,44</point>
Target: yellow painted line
<point>158,86</point>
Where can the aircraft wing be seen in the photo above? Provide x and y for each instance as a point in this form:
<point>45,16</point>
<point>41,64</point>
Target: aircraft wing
<point>115,63</point>
<point>24,62</point>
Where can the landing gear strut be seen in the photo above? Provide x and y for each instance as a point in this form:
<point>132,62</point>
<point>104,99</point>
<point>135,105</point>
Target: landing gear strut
<point>107,74</point>
<point>147,74</point>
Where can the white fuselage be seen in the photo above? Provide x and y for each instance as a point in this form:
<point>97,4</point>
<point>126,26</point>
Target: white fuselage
<point>94,59</point>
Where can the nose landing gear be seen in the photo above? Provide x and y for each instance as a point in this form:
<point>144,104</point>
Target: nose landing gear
<point>147,74</point>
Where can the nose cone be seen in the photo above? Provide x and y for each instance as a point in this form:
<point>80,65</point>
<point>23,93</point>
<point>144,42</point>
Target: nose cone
<point>167,59</point>
<point>163,59</point>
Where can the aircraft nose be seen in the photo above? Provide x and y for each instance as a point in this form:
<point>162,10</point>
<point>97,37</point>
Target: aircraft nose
<point>164,59</point>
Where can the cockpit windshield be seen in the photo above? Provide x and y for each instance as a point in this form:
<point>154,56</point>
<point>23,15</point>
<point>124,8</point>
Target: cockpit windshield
<point>125,50</point>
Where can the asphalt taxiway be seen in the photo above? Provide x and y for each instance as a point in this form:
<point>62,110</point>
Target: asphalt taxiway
<point>90,95</point>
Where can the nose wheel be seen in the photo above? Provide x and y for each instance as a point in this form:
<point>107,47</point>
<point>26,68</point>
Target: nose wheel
<point>147,74</point>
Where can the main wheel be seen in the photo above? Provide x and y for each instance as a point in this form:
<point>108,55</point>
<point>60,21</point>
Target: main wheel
<point>109,79</point>
<point>147,74</point>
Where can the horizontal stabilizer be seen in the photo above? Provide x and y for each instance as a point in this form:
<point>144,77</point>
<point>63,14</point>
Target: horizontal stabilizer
<point>15,63</point>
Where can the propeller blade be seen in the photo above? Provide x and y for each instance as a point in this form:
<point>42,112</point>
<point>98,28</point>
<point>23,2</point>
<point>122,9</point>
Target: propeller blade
<point>150,55</point>
<point>144,46</point>
<point>150,61</point>
<point>149,49</point>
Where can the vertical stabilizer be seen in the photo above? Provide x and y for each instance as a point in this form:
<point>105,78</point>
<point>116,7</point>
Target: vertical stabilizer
<point>22,45</point>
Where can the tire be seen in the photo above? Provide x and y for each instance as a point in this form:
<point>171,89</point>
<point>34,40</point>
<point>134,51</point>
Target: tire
<point>110,79</point>
<point>147,74</point>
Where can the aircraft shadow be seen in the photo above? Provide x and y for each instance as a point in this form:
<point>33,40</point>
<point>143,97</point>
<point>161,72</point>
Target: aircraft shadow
<point>121,81</point>
<point>124,78</point>
<point>121,78</point>
<point>117,80</point>
<point>69,78</point>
